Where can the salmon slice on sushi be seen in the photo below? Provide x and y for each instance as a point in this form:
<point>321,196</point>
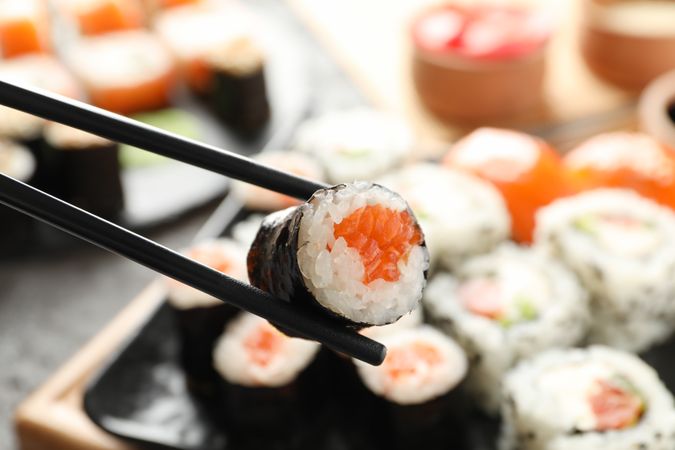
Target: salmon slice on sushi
<point>24,27</point>
<point>93,17</point>
<point>125,72</point>
<point>354,251</point>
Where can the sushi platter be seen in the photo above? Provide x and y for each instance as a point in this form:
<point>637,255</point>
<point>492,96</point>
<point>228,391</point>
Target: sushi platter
<point>521,281</point>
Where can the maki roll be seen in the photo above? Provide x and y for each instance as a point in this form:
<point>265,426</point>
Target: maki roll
<point>461,215</point>
<point>124,72</point>
<point>93,17</point>
<point>620,246</point>
<point>591,399</point>
<point>354,251</point>
<point>262,377</point>
<point>526,170</point>
<point>24,28</point>
<point>193,31</point>
<point>413,319</point>
<point>624,160</point>
<point>45,72</point>
<point>17,162</point>
<point>503,307</point>
<point>259,199</point>
<point>237,90</point>
<point>87,169</point>
<point>356,144</point>
<point>416,391</point>
<point>201,318</point>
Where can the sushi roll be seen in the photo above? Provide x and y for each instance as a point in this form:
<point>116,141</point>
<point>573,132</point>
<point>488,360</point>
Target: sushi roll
<point>92,17</point>
<point>124,72</point>
<point>258,199</point>
<point>45,72</point>
<point>587,399</point>
<point>461,215</point>
<point>201,318</point>
<point>526,170</point>
<point>356,144</point>
<point>624,160</point>
<point>414,394</point>
<point>17,162</point>
<point>262,373</point>
<point>24,27</point>
<point>503,307</point>
<point>620,246</point>
<point>413,319</point>
<point>237,90</point>
<point>354,251</point>
<point>88,169</point>
<point>192,31</point>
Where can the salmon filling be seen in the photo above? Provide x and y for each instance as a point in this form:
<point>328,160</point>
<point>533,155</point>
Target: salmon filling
<point>382,237</point>
<point>263,344</point>
<point>410,362</point>
<point>615,404</point>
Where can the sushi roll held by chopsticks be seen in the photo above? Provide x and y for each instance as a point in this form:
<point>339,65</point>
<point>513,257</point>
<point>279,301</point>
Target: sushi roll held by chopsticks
<point>354,251</point>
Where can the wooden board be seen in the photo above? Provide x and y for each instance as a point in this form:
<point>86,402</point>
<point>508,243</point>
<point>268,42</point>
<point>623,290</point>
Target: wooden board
<point>370,41</point>
<point>52,418</point>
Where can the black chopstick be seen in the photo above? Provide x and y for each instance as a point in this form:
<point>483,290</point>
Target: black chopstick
<point>127,131</point>
<point>119,240</point>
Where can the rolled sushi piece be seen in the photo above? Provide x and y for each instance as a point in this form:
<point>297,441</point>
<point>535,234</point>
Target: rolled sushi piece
<point>461,215</point>
<point>413,319</point>
<point>24,28</point>
<point>45,72</point>
<point>93,17</point>
<point>262,372</point>
<point>258,199</point>
<point>87,169</point>
<point>17,162</point>
<point>356,144</point>
<point>503,307</point>
<point>124,72</point>
<point>194,30</point>
<point>237,91</point>
<point>591,399</point>
<point>354,251</point>
<point>201,318</point>
<point>416,390</point>
<point>620,246</point>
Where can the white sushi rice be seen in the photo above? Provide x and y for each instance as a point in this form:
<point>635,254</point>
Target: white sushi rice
<point>413,319</point>
<point>544,404</point>
<point>16,161</point>
<point>67,138</point>
<point>423,381</point>
<point>493,347</point>
<point>235,363</point>
<point>260,199</point>
<point>460,214</point>
<point>333,272</point>
<point>213,252</point>
<point>120,59</point>
<point>629,273</point>
<point>356,144</point>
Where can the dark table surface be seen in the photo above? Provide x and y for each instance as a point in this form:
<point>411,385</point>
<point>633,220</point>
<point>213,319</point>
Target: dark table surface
<point>54,299</point>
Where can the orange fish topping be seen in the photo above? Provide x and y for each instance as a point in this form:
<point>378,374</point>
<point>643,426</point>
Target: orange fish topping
<point>382,237</point>
<point>263,345</point>
<point>614,408</point>
<point>403,362</point>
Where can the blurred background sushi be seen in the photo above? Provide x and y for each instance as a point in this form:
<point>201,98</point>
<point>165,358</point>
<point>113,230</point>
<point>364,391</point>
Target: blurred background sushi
<point>500,215</point>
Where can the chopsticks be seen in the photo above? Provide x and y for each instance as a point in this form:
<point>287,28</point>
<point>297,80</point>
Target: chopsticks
<point>118,128</point>
<point>119,240</point>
